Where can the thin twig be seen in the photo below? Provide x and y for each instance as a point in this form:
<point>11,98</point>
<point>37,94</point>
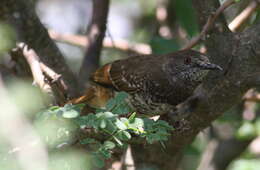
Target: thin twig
<point>34,63</point>
<point>120,44</point>
<point>243,16</point>
<point>124,45</point>
<point>48,71</point>
<point>41,73</point>
<point>22,16</point>
<point>110,37</point>
<point>212,18</point>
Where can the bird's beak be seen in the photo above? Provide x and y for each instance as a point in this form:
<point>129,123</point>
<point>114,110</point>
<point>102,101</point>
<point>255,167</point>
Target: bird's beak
<point>210,66</point>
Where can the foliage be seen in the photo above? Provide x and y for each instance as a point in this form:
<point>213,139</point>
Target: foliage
<point>109,123</point>
<point>242,164</point>
<point>186,16</point>
<point>161,45</point>
<point>7,37</point>
<point>248,129</point>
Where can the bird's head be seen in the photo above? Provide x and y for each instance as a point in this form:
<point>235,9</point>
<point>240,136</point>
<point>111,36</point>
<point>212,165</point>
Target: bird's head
<point>191,65</point>
<point>200,61</point>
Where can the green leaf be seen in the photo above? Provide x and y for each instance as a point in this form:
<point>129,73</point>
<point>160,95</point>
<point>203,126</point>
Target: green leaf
<point>246,131</point>
<point>98,161</point>
<point>121,96</point>
<point>98,110</point>
<point>122,109</point>
<point>164,124</point>
<point>109,144</point>
<point>161,45</point>
<point>257,126</point>
<point>117,100</point>
<point>118,104</point>
<point>120,125</point>
<point>105,153</point>
<point>137,123</point>
<point>105,115</point>
<point>88,120</point>
<point>53,108</point>
<point>88,141</point>
<point>70,114</point>
<point>103,124</point>
<point>124,120</point>
<point>245,164</point>
<point>186,16</point>
<point>132,117</point>
<point>124,135</point>
<point>118,141</point>
<point>111,104</point>
<point>111,127</point>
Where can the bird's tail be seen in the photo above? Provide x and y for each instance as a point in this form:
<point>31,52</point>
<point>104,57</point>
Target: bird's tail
<point>96,96</point>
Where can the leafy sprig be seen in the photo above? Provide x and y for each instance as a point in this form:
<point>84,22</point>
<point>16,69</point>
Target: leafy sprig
<point>109,121</point>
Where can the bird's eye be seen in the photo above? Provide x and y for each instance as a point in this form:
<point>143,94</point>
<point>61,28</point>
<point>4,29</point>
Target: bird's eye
<point>187,60</point>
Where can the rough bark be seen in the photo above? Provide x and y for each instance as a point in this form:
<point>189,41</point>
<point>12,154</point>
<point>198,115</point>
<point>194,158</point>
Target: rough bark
<point>239,55</point>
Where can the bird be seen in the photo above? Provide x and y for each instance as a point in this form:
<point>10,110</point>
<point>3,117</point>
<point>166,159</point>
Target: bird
<point>155,83</point>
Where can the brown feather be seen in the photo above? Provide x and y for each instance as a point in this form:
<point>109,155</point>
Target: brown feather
<point>102,75</point>
<point>96,96</point>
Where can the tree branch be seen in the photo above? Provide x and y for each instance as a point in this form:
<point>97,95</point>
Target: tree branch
<point>120,44</point>
<point>218,93</point>
<point>21,15</point>
<point>95,36</point>
<point>214,159</point>
<point>211,20</point>
<point>223,140</point>
<point>34,63</point>
<point>243,16</point>
<point>41,73</point>
<point>205,9</point>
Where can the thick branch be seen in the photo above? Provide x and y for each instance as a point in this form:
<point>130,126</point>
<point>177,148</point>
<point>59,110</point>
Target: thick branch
<point>219,92</point>
<point>95,35</point>
<point>22,16</point>
<point>239,55</point>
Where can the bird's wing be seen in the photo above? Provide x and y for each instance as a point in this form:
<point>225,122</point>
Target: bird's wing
<point>147,75</point>
<point>124,75</point>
